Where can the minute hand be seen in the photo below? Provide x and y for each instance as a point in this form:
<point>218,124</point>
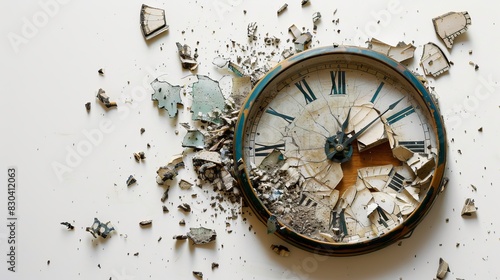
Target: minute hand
<point>357,134</point>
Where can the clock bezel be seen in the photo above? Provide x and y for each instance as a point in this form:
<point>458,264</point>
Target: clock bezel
<point>401,231</point>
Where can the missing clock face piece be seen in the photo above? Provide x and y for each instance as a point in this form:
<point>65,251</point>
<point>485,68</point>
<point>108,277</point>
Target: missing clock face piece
<point>340,148</point>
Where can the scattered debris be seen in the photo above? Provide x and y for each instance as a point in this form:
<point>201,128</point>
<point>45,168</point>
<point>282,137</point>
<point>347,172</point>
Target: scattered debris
<point>165,209</point>
<point>184,207</point>
<point>316,16</point>
<point>304,2</point>
<point>146,223</point>
<point>443,269</point>
<point>251,29</point>
<point>100,229</point>
<point>142,130</point>
<point>400,52</point>
<point>469,207</point>
<point>139,156</point>
<point>101,72</point>
<point>182,222</point>
<point>433,60</point>
<point>282,9</point>
<point>68,225</point>
<point>88,106</point>
<point>215,265</point>
<point>185,185</point>
<point>301,39</point>
<point>194,139</point>
<point>169,171</point>
<point>280,250</point>
<point>198,274</point>
<point>450,25</point>
<point>201,235</point>
<point>104,98</point>
<point>187,60</point>
<point>153,21</point>
<point>131,180</point>
<point>272,224</point>
<point>167,95</point>
<point>136,254</point>
<point>180,237</point>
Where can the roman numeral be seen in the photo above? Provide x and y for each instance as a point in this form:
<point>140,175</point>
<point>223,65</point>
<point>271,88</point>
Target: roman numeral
<point>264,150</point>
<point>397,182</point>
<point>414,146</point>
<point>338,82</point>
<point>375,95</point>
<point>401,114</point>
<point>277,114</point>
<point>307,92</point>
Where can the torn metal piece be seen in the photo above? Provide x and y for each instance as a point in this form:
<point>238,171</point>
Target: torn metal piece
<point>88,106</point>
<point>316,16</point>
<point>400,52</point>
<point>201,235</point>
<point>104,98</point>
<point>208,100</point>
<point>185,185</point>
<point>251,29</point>
<point>153,21</point>
<point>100,229</point>
<point>198,274</point>
<point>280,250</point>
<point>131,180</point>
<point>194,139</point>
<point>68,225</point>
<point>167,95</point>
<point>443,269</point>
<point>433,60</point>
<point>184,207</point>
<point>146,223</point>
<point>450,25</point>
<point>139,156</point>
<point>469,207</point>
<point>282,9</point>
<point>187,60</point>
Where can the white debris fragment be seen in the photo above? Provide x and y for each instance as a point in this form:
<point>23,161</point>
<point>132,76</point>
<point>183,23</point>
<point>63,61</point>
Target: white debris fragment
<point>153,21</point>
<point>316,16</point>
<point>187,60</point>
<point>443,269</point>
<point>433,60</point>
<point>400,52</point>
<point>282,9</point>
<point>450,25</point>
<point>469,207</point>
<point>185,185</point>
<point>251,29</point>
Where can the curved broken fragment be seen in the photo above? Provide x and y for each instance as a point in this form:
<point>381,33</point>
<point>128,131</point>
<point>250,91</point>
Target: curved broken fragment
<point>167,95</point>
<point>450,25</point>
<point>153,21</point>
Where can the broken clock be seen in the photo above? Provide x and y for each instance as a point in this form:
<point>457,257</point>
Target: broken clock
<point>340,150</point>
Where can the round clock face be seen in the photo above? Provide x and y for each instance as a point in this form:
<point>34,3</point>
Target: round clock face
<point>341,151</point>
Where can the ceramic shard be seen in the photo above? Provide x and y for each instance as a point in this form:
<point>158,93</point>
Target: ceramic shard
<point>201,235</point>
<point>443,269</point>
<point>208,100</point>
<point>131,180</point>
<point>301,39</point>
<point>153,21</point>
<point>469,207</point>
<point>194,139</point>
<point>169,171</point>
<point>188,60</point>
<point>104,98</point>
<point>100,229</point>
<point>450,25</point>
<point>185,185</point>
<point>167,95</point>
<point>316,16</point>
<point>433,60</point>
<point>282,9</point>
<point>400,52</point>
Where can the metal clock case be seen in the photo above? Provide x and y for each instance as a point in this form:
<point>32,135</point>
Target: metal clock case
<point>340,150</point>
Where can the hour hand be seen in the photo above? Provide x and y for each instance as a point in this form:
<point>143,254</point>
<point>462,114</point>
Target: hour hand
<point>344,126</point>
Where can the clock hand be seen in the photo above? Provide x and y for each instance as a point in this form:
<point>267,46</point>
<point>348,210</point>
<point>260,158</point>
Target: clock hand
<point>357,134</point>
<point>342,147</point>
<point>344,126</point>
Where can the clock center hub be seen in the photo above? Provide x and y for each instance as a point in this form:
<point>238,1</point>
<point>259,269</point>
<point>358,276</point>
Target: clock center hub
<point>336,151</point>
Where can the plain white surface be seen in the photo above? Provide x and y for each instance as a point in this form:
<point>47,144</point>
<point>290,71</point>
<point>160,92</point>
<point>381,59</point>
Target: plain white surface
<point>51,72</point>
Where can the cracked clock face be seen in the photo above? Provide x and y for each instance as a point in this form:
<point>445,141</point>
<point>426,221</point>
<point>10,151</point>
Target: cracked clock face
<point>342,148</point>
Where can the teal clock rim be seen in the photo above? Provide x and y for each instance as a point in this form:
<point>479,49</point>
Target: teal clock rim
<point>342,249</point>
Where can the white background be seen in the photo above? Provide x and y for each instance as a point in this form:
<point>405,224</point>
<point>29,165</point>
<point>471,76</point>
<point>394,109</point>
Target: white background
<point>49,71</point>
